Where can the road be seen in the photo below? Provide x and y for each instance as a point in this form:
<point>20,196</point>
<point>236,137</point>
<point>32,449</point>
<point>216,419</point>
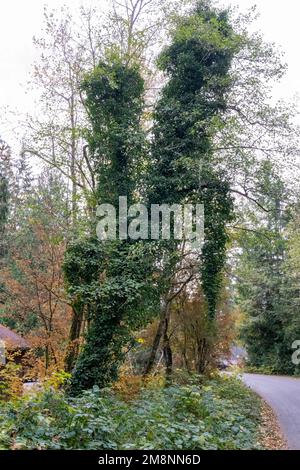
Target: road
<point>283,395</point>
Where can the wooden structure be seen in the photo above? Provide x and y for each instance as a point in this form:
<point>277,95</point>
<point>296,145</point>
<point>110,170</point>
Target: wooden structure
<point>11,343</point>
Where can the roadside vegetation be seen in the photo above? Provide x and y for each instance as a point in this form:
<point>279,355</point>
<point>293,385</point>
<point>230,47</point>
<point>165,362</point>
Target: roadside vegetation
<point>215,413</point>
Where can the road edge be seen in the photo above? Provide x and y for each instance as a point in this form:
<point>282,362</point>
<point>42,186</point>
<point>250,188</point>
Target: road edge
<point>270,432</point>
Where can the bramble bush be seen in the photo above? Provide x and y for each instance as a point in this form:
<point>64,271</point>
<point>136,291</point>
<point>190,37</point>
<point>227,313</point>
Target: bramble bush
<point>217,413</point>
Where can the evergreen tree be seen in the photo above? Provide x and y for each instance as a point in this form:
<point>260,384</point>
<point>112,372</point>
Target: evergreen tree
<point>290,293</point>
<point>5,171</point>
<point>261,275</point>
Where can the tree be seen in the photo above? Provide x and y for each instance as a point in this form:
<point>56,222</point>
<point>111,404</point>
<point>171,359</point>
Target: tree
<point>4,193</point>
<point>5,183</point>
<point>261,276</point>
<point>35,301</point>
<point>55,136</point>
<point>73,44</point>
<point>289,293</point>
<point>197,65</point>
<point>196,115</point>
<point>209,140</point>
<point>197,342</point>
<point>109,280</point>
<point>70,48</point>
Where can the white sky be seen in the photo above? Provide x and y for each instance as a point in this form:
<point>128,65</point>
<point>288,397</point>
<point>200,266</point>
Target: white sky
<point>22,19</point>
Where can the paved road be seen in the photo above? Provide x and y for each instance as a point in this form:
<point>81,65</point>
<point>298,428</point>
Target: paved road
<point>283,395</point>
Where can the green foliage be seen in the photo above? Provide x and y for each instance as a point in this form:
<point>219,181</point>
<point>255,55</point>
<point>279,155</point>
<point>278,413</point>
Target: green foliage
<point>124,298</point>
<point>197,64</point>
<point>5,196</point>
<point>114,100</point>
<point>289,292</point>
<point>263,369</point>
<point>217,414</point>
<point>110,280</point>
<point>262,284</point>
<point>4,193</point>
<point>3,205</point>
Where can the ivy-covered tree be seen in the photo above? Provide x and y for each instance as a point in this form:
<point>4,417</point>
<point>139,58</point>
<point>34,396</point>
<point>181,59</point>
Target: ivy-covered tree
<point>197,65</point>
<point>109,280</point>
<point>195,155</point>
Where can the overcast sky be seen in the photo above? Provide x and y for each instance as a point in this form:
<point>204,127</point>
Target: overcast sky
<point>22,19</point>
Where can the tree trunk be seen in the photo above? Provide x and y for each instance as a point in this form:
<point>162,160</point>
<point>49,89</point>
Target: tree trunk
<point>168,356</point>
<point>202,352</point>
<point>74,335</point>
<point>164,314</point>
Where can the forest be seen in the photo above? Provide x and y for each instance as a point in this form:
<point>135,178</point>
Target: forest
<point>126,343</point>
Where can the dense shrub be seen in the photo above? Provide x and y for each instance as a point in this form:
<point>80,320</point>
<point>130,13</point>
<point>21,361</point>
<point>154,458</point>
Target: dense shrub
<point>219,413</point>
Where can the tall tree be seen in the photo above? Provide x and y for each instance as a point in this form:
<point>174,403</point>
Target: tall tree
<point>261,275</point>
<point>197,65</point>
<point>289,295</point>
<point>35,300</point>
<point>4,192</point>
<point>4,207</point>
<point>109,280</point>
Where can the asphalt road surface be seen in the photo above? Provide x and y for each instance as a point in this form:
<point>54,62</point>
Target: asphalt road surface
<point>283,395</point>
